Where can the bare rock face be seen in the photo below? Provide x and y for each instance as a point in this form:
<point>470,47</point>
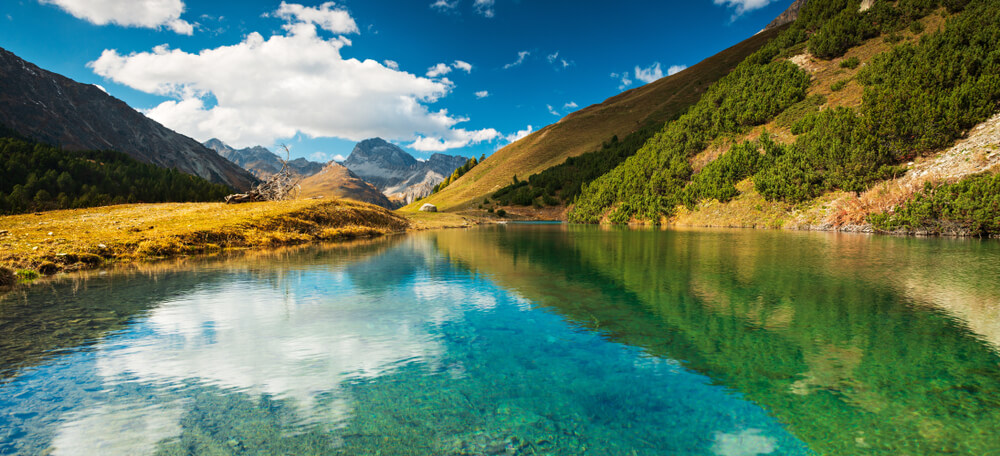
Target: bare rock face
<point>396,173</point>
<point>790,15</point>
<point>54,109</point>
<point>428,208</point>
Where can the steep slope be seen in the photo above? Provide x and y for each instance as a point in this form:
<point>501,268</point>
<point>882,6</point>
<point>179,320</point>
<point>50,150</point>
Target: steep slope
<point>920,84</point>
<point>260,161</point>
<point>335,180</point>
<point>585,130</point>
<point>396,173</point>
<point>54,109</point>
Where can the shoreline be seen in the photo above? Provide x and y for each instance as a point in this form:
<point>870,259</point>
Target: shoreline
<point>43,244</point>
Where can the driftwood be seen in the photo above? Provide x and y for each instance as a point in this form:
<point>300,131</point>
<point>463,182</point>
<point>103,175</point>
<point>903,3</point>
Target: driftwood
<point>283,185</point>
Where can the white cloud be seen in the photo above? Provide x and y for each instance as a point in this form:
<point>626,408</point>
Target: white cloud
<point>464,66</point>
<point>571,105</point>
<point>319,156</point>
<point>649,74</point>
<point>484,7</point>
<point>743,6</point>
<point>458,138</point>
<point>339,158</point>
<point>391,64</point>
<point>482,94</point>
<point>328,16</point>
<point>624,78</point>
<point>558,62</point>
<point>129,13</point>
<point>101,87</point>
<point>514,137</point>
<point>552,110</point>
<point>444,5</point>
<point>438,70</point>
<point>674,69</point>
<point>300,84</point>
<point>520,59</point>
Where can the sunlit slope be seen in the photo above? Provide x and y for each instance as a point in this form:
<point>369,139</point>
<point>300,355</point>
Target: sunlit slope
<point>585,130</point>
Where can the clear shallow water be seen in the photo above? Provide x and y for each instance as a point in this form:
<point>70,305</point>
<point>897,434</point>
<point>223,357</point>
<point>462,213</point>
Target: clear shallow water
<point>518,339</point>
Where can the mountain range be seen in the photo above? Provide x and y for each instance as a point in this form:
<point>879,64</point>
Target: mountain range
<point>260,161</point>
<point>396,173</point>
<point>53,109</point>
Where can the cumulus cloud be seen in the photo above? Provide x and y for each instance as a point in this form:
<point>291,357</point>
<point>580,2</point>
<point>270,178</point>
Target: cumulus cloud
<point>482,94</point>
<point>649,74</point>
<point>514,137</point>
<point>438,70</point>
<point>520,59</point>
<point>457,138</point>
<point>464,66</point>
<point>571,105</point>
<point>327,16</point>
<point>129,13</point>
<point>300,85</point>
<point>674,69</point>
<point>742,6</point>
<point>391,64</point>
<point>484,7</point>
<point>319,156</point>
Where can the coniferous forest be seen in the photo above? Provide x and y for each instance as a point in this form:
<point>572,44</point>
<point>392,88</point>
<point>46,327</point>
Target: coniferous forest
<point>38,177</point>
<point>918,98</point>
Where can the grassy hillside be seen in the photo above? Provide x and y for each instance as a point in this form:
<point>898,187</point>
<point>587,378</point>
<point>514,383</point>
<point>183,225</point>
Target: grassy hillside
<point>918,97</point>
<point>585,130</point>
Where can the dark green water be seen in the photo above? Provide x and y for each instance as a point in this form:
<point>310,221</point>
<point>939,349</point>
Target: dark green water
<point>519,339</point>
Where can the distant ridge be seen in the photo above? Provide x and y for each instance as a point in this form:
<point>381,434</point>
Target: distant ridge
<point>54,109</point>
<point>396,173</point>
<point>335,180</point>
<point>260,161</point>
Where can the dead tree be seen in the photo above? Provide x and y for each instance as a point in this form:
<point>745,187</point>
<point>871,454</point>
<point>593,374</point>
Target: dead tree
<point>281,186</point>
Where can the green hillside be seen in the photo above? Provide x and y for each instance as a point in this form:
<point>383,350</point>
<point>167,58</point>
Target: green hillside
<point>587,129</point>
<point>918,97</point>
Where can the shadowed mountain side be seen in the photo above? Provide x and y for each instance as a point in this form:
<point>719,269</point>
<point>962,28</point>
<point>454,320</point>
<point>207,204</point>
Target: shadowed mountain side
<point>584,130</point>
<point>336,181</point>
<point>56,110</point>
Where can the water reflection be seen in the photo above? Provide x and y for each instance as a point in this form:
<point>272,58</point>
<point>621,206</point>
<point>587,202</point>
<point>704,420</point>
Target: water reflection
<point>860,344</point>
<point>519,340</point>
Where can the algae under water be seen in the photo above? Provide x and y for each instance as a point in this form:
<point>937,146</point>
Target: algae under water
<point>519,340</point>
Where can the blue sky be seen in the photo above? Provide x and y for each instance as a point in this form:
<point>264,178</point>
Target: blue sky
<point>452,76</point>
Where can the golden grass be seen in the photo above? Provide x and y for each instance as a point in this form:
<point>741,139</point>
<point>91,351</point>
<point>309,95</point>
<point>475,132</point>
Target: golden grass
<point>584,131</point>
<point>437,220</point>
<point>86,238</point>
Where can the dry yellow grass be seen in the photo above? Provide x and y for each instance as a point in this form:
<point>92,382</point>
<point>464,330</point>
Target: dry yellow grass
<point>85,238</point>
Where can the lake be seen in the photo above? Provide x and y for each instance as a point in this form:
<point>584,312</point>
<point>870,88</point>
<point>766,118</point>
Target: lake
<point>528,339</point>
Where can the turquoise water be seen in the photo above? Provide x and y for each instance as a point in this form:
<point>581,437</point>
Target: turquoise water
<point>518,340</point>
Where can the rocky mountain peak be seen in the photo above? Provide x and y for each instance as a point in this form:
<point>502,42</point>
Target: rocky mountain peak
<point>380,151</point>
<point>789,15</point>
